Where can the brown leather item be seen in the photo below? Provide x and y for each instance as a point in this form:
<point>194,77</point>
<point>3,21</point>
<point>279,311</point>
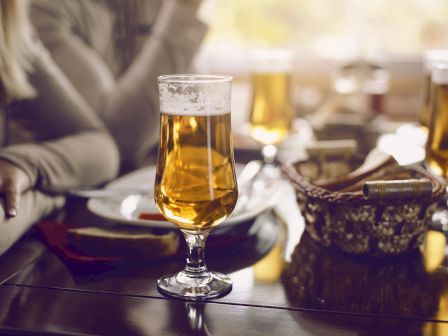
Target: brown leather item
<point>377,164</point>
<point>397,189</point>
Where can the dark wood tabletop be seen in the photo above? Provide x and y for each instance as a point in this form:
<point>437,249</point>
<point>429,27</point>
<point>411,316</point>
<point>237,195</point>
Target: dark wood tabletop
<point>284,284</point>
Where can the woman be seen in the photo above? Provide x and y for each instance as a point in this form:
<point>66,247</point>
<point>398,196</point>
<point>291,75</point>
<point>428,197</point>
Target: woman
<point>51,139</point>
<point>113,51</point>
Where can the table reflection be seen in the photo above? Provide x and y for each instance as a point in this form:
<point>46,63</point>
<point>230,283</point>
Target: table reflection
<point>196,319</point>
<point>270,267</point>
<point>434,251</point>
<point>407,286</point>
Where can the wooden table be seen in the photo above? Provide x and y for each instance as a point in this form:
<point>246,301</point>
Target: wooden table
<point>284,284</point>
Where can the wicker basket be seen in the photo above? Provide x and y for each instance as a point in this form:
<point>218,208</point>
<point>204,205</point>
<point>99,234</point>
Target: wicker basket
<point>349,222</point>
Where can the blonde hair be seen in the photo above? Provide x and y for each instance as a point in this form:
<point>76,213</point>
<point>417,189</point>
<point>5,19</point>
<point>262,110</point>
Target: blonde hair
<point>16,48</point>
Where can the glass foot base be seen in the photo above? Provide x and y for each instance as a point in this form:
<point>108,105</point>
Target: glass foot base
<point>183,285</point>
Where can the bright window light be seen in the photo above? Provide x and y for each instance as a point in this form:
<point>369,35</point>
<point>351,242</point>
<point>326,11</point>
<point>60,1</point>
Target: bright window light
<point>327,29</point>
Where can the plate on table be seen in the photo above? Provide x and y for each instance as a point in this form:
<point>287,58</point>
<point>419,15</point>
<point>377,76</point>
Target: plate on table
<point>140,209</point>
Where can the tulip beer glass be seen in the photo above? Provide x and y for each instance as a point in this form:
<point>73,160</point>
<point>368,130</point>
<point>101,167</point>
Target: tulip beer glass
<point>432,58</point>
<point>437,143</point>
<point>272,111</point>
<point>195,186</point>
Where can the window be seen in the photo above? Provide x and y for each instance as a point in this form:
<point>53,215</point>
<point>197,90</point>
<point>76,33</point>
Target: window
<point>326,29</point>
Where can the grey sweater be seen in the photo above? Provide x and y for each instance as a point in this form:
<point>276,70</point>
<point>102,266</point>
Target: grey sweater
<point>80,37</point>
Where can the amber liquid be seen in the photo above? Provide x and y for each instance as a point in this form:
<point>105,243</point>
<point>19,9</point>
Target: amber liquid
<point>426,103</point>
<point>195,186</point>
<point>437,144</point>
<point>272,112</point>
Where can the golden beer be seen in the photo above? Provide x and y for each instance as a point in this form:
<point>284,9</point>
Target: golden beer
<point>272,112</point>
<point>195,186</point>
<point>432,58</point>
<point>426,103</point>
<point>437,145</point>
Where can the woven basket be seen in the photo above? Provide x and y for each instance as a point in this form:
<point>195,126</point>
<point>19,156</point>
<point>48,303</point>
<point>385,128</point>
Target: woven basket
<point>349,222</point>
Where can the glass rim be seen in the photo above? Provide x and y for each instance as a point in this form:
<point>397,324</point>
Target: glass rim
<point>194,78</point>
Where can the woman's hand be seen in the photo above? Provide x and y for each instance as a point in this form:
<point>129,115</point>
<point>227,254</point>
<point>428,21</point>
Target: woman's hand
<point>13,181</point>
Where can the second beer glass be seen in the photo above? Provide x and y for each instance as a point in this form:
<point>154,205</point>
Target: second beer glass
<point>195,186</point>
<point>272,111</point>
<point>437,144</point>
<point>432,58</point>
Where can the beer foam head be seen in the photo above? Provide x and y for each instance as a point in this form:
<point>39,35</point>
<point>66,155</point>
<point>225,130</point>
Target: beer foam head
<point>195,94</point>
<point>439,74</point>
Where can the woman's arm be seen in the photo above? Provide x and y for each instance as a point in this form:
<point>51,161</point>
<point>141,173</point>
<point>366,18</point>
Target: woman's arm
<point>72,147</point>
<point>129,104</point>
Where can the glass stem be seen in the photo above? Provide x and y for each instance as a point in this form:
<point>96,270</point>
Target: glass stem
<point>269,153</point>
<point>195,265</point>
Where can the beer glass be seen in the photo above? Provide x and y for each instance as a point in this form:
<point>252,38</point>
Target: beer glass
<point>431,58</point>
<point>195,185</point>
<point>437,143</point>
<point>272,111</point>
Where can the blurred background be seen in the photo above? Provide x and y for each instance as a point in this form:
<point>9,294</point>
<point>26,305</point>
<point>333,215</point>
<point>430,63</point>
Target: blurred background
<point>327,34</point>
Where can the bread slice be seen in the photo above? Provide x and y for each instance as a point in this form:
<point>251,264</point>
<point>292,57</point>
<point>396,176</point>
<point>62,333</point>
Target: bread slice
<point>122,242</point>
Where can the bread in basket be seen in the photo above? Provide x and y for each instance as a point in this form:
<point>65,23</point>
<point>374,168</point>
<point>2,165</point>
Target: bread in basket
<point>338,215</point>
